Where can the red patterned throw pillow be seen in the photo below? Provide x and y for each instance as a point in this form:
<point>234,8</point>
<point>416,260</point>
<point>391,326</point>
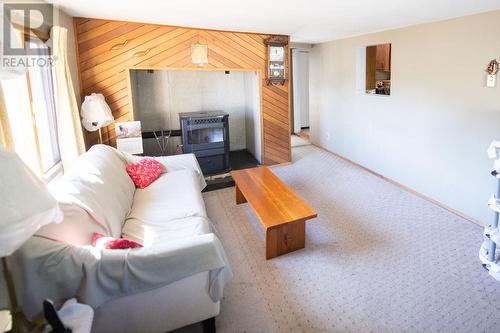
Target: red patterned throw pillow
<point>104,242</point>
<point>144,172</point>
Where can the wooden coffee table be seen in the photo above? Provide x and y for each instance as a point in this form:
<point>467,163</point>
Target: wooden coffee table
<point>282,212</point>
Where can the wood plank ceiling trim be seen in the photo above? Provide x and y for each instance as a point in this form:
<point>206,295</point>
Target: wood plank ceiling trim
<point>106,52</point>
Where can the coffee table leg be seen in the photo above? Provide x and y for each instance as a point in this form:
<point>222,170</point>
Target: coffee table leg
<point>285,238</point>
<point>240,198</point>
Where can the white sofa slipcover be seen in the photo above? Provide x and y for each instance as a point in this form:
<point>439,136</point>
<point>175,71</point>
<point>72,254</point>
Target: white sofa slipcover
<point>170,208</point>
<point>168,215</point>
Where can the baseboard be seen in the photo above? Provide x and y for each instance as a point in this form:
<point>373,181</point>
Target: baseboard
<point>404,187</point>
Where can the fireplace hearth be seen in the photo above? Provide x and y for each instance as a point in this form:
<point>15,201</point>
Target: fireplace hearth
<point>206,135</point>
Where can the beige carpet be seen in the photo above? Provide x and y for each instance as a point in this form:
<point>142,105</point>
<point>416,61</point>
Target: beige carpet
<point>297,141</point>
<point>377,259</point>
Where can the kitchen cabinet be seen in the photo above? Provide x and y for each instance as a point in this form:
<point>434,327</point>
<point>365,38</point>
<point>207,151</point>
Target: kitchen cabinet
<point>383,58</point>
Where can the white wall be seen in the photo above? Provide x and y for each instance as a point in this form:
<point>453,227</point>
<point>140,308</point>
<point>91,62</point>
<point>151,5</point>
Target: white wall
<point>432,132</point>
<point>252,115</point>
<point>160,96</point>
<point>300,67</point>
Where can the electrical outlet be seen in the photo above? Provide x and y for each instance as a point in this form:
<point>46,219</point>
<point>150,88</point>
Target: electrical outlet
<point>491,81</point>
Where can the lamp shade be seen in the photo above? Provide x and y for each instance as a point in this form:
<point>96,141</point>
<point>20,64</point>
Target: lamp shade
<point>96,113</point>
<point>25,204</point>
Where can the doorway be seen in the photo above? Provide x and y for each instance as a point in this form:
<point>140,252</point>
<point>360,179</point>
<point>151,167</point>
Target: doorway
<point>300,101</point>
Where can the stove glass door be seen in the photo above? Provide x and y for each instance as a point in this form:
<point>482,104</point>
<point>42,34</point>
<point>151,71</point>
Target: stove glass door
<point>205,135</point>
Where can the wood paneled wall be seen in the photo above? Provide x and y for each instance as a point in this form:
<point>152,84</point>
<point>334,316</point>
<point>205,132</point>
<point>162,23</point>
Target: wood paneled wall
<point>107,50</point>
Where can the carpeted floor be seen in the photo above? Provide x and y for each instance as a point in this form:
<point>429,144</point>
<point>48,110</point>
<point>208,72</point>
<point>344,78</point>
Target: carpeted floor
<point>297,141</point>
<point>377,259</point>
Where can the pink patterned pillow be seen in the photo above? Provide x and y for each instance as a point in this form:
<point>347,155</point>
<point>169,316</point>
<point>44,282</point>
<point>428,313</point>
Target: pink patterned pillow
<point>144,172</point>
<point>103,242</point>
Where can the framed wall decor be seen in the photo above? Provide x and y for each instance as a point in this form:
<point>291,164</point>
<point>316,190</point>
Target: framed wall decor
<point>276,59</point>
<point>129,137</point>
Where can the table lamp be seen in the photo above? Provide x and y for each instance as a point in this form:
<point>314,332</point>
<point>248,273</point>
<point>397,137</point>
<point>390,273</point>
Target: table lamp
<point>96,114</point>
<point>26,205</point>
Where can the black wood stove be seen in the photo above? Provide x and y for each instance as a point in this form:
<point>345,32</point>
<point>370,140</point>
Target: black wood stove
<point>206,135</point>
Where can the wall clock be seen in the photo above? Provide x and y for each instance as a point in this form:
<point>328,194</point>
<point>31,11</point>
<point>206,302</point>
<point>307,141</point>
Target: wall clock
<point>276,59</point>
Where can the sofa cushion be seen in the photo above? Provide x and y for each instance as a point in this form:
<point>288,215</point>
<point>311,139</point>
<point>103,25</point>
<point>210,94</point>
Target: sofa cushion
<point>99,184</point>
<point>148,235</point>
<point>165,207</point>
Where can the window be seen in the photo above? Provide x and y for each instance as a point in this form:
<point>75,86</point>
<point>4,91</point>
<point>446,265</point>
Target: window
<point>43,108</point>
<point>378,69</point>
<point>31,111</point>
<point>373,69</point>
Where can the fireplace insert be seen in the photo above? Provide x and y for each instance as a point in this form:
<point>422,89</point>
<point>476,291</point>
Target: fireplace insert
<point>206,135</point>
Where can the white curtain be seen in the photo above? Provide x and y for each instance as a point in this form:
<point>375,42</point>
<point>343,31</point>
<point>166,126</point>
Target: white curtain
<point>16,119</point>
<point>20,120</point>
<point>69,130</point>
<point>5,131</point>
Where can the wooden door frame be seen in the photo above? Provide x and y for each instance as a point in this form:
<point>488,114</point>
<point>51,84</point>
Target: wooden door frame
<point>290,93</point>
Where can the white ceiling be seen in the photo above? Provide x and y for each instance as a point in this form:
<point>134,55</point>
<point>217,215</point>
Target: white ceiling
<point>310,21</point>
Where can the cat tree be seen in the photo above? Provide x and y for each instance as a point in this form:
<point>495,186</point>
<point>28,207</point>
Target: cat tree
<point>490,253</point>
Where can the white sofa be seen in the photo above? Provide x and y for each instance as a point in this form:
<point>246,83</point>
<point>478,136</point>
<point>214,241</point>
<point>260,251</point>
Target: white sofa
<point>97,195</point>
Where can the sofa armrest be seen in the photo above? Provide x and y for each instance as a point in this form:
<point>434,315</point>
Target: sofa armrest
<point>47,269</point>
<point>172,163</point>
